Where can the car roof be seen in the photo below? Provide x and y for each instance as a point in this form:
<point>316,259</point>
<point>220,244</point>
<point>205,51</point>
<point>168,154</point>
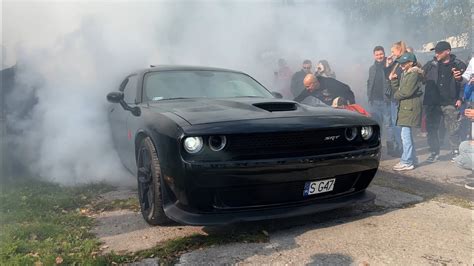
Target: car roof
<point>157,68</point>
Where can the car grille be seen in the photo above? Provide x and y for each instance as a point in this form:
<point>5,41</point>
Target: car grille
<point>273,145</point>
<point>269,195</point>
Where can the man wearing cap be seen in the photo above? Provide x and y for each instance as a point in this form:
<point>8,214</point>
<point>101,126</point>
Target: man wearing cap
<point>442,99</point>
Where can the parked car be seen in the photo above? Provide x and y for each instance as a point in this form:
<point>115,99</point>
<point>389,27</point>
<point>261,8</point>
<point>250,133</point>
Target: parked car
<point>214,146</point>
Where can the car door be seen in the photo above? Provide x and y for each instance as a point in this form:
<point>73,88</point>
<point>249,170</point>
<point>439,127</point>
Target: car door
<point>121,134</point>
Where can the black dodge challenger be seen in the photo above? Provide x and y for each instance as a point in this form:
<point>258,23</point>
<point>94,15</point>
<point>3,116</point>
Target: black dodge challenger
<point>213,146</point>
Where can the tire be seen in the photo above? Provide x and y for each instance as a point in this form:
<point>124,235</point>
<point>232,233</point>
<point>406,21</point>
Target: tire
<point>149,184</point>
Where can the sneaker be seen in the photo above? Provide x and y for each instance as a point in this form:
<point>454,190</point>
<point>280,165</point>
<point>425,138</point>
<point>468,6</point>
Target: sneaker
<point>454,154</point>
<point>432,158</point>
<point>469,185</point>
<point>403,167</point>
<point>398,165</point>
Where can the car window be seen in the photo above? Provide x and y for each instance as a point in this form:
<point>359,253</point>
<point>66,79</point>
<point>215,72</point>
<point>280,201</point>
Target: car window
<point>207,84</point>
<point>130,90</point>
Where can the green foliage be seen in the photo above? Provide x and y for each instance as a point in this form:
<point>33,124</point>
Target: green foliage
<point>435,19</point>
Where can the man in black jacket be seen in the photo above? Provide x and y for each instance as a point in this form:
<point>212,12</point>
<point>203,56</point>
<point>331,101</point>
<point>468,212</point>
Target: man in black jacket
<point>325,89</point>
<point>443,98</point>
<point>297,85</point>
<point>377,87</point>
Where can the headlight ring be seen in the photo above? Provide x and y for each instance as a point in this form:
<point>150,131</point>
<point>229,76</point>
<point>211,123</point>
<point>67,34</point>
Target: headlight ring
<point>193,144</point>
<point>350,133</point>
<point>217,143</point>
<point>367,132</point>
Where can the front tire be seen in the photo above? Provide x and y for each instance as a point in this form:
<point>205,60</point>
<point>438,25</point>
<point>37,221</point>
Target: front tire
<point>149,184</point>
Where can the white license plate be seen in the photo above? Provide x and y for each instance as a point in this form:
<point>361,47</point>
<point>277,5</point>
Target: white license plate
<point>317,187</point>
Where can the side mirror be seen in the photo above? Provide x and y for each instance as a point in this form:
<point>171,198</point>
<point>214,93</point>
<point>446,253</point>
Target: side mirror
<point>115,97</point>
<point>277,95</point>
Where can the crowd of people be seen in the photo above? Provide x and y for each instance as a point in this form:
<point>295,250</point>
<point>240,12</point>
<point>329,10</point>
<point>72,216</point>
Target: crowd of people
<point>402,95</point>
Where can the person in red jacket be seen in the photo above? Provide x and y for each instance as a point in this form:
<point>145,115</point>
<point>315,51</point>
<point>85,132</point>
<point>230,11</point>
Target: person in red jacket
<point>342,103</point>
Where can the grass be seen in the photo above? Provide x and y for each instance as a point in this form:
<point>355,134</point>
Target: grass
<point>452,200</point>
<point>44,224</point>
<point>170,251</point>
<point>40,222</point>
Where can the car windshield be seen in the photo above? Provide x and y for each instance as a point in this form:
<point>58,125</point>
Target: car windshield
<point>201,84</point>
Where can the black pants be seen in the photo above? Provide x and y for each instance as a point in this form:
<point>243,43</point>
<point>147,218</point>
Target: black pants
<point>449,116</point>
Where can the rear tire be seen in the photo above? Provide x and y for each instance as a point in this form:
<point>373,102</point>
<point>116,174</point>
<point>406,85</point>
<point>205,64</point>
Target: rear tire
<point>149,184</point>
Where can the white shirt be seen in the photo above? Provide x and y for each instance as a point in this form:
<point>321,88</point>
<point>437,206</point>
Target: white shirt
<point>470,68</point>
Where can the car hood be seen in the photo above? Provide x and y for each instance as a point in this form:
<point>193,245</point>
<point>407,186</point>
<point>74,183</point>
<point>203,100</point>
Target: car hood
<point>204,111</point>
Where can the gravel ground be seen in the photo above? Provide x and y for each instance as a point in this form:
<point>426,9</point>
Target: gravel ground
<point>423,233</point>
<point>124,231</point>
<point>405,226</point>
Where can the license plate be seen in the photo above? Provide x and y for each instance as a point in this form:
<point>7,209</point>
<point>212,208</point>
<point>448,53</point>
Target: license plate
<point>317,187</point>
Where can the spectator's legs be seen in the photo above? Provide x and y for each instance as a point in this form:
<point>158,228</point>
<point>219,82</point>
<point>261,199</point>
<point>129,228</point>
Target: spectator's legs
<point>433,117</point>
<point>386,120</point>
<point>377,111</point>
<point>396,130</point>
<point>408,155</point>
<point>451,121</point>
<point>423,121</point>
<point>466,155</point>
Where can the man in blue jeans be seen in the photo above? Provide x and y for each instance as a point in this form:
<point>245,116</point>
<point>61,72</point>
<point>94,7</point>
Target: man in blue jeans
<point>377,85</point>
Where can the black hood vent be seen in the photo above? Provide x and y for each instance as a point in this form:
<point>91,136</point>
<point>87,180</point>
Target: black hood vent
<point>276,106</point>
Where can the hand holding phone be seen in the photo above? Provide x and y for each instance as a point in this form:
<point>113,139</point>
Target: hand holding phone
<point>457,73</point>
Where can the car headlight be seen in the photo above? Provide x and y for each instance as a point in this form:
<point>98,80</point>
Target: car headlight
<point>351,133</point>
<point>193,144</point>
<point>366,132</point>
<point>217,143</point>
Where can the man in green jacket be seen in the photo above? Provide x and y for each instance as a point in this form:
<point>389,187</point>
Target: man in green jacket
<point>407,90</point>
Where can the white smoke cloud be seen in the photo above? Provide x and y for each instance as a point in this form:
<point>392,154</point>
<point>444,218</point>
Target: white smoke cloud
<point>82,51</point>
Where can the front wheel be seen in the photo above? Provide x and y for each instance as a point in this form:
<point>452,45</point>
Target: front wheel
<point>149,184</point>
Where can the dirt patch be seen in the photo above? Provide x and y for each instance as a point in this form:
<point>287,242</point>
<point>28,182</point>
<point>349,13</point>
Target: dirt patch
<point>125,230</point>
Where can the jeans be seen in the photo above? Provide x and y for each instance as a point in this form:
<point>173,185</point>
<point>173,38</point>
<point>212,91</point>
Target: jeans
<point>396,130</point>
<point>466,155</point>
<point>380,111</point>
<point>409,153</point>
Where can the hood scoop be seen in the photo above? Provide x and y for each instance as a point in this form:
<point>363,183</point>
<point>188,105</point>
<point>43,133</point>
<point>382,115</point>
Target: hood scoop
<point>276,106</point>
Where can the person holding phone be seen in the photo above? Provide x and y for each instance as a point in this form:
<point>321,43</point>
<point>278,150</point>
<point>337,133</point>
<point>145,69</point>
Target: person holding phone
<point>442,98</point>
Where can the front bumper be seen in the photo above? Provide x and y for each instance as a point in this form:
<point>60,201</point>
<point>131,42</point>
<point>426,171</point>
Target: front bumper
<point>182,216</point>
<point>229,192</point>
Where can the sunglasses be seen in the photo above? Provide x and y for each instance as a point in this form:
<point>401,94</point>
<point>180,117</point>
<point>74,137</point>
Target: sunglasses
<point>306,67</point>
